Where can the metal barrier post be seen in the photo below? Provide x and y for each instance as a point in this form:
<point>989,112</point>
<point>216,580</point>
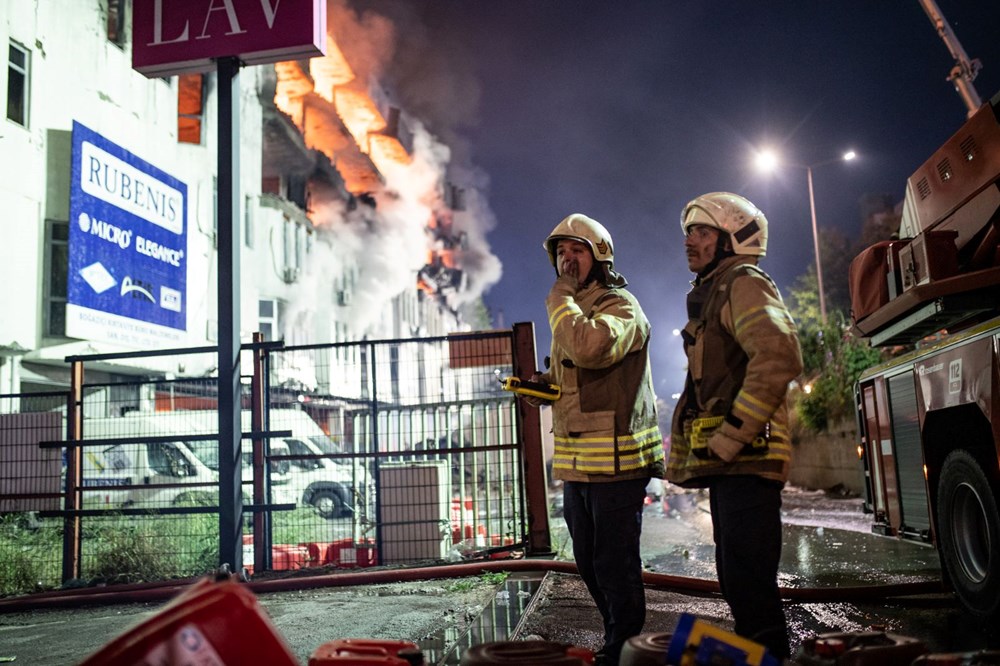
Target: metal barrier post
<point>261,535</point>
<point>535,482</point>
<point>375,449</point>
<point>72,534</point>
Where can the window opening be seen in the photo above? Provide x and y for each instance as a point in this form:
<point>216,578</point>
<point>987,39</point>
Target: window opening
<point>17,84</point>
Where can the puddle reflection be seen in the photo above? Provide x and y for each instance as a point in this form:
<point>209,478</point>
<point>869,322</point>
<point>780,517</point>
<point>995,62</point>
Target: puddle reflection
<point>497,622</point>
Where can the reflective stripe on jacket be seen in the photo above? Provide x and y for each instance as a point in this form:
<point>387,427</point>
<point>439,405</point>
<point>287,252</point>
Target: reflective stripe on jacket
<point>605,424</point>
<point>742,351</point>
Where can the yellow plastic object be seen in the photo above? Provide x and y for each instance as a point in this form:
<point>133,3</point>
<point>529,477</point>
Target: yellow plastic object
<point>549,392</point>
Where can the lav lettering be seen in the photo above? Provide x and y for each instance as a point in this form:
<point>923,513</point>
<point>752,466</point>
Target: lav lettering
<point>269,9</point>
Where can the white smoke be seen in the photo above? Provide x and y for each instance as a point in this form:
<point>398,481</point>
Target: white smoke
<point>388,245</point>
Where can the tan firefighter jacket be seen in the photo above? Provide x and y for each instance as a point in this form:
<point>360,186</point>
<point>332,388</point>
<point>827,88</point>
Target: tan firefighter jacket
<point>743,351</point>
<point>604,425</point>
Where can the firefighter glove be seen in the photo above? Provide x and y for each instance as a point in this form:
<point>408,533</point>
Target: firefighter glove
<point>725,447</point>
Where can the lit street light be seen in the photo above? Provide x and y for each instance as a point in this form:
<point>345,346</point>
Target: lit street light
<point>768,161</point>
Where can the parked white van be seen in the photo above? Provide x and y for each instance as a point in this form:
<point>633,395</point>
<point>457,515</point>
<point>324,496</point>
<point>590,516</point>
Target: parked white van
<point>142,475</point>
<point>184,423</point>
<point>334,489</point>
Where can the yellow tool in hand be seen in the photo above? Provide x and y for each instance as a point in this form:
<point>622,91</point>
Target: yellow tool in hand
<point>541,390</point>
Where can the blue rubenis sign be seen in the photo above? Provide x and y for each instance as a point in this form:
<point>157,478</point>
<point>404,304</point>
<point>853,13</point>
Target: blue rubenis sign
<point>127,247</point>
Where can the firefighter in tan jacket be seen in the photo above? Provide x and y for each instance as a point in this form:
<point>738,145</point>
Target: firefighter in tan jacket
<point>607,441</point>
<point>730,427</point>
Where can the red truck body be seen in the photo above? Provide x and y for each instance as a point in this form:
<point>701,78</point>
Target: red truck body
<point>929,420</point>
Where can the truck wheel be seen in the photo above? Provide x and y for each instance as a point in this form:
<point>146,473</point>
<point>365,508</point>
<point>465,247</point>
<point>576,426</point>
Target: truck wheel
<point>969,533</point>
<point>328,503</point>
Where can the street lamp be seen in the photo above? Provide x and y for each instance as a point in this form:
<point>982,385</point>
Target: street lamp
<point>768,161</point>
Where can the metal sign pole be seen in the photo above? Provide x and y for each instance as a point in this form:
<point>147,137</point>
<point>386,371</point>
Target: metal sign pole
<point>228,173</point>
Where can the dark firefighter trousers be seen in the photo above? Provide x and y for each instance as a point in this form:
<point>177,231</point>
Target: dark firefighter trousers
<point>746,525</point>
<point>605,521</point>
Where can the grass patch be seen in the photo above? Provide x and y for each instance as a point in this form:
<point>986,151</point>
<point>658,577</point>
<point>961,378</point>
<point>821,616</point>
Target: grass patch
<point>129,549</point>
<point>468,584</point>
<point>30,554</point>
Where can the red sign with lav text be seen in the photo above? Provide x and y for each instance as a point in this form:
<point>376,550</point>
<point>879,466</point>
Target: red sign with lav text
<point>181,36</point>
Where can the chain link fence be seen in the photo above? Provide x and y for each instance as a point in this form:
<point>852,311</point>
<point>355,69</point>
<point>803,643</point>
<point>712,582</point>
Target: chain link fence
<point>373,453</point>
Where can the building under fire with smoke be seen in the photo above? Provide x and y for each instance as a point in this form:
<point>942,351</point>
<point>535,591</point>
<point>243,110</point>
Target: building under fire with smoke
<point>351,227</point>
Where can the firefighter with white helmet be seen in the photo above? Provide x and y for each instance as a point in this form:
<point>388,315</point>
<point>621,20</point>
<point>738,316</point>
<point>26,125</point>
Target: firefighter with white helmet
<point>730,427</point>
<point>591,233</point>
<point>607,441</point>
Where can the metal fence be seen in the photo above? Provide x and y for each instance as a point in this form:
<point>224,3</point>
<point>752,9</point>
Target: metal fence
<point>355,454</point>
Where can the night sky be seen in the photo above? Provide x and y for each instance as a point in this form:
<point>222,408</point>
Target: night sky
<point>626,110</point>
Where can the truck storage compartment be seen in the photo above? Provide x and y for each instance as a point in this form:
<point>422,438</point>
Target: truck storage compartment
<point>907,447</point>
<point>932,255</point>
<point>868,280</point>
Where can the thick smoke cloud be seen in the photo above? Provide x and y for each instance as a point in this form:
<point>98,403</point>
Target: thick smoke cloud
<point>386,44</point>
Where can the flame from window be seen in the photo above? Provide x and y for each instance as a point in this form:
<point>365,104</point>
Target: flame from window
<point>364,149</point>
<point>331,78</point>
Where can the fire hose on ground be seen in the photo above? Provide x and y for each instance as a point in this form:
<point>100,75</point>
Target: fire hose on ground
<point>159,591</point>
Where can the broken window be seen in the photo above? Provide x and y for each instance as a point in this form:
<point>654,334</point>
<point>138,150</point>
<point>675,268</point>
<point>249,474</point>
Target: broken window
<point>190,107</point>
<point>116,21</point>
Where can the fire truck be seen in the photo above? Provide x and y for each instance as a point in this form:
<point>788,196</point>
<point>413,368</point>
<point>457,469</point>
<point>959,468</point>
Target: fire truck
<point>929,420</point>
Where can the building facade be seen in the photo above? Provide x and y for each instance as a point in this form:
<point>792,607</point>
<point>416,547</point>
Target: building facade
<point>350,227</point>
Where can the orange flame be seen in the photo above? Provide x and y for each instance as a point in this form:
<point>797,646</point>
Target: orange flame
<point>359,114</point>
<point>330,71</point>
<point>340,119</point>
<point>331,78</point>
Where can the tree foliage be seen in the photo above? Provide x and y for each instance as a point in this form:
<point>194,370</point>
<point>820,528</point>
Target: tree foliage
<point>833,358</point>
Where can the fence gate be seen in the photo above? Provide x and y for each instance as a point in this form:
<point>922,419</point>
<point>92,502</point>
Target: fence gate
<point>410,450</point>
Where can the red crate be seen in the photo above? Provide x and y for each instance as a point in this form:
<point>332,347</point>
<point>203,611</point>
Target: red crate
<point>286,557</point>
<point>210,622</point>
<point>348,554</point>
<point>365,652</point>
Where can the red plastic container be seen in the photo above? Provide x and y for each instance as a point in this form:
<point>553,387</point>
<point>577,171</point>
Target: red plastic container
<point>864,648</point>
<point>366,652</point>
<point>285,557</point>
<point>519,653</point>
<point>345,553</point>
<point>461,508</point>
<point>209,623</point>
<point>318,553</point>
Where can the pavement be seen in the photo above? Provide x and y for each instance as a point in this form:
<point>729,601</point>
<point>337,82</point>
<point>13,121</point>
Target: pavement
<point>844,578</point>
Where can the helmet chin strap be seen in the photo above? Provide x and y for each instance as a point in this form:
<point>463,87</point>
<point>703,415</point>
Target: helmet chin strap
<point>723,250</point>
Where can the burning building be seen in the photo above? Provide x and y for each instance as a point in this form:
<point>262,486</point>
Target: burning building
<point>353,222</point>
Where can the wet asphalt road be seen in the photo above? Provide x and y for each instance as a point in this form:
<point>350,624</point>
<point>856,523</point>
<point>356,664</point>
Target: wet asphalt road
<point>827,544</point>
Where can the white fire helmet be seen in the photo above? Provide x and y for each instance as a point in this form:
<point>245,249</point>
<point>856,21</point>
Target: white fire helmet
<point>589,231</point>
<point>586,230</point>
<point>733,214</point>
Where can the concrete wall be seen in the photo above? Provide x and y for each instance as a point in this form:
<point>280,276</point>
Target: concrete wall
<point>824,460</point>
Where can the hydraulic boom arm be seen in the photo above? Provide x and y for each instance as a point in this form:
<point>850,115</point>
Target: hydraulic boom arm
<point>965,70</point>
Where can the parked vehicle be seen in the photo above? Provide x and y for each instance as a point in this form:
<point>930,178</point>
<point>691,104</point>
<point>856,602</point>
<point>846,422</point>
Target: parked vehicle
<point>142,475</point>
<point>929,420</point>
<point>333,488</point>
<point>336,488</point>
<point>201,422</point>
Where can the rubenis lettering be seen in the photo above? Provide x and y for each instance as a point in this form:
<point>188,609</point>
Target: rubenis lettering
<point>124,186</point>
